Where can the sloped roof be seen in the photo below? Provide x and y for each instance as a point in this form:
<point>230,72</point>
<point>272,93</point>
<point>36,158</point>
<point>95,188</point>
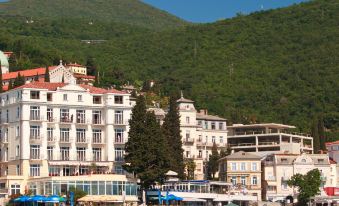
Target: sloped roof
<point>209,117</point>
<point>243,155</point>
<point>97,90</point>
<point>82,76</point>
<point>183,100</point>
<point>26,73</point>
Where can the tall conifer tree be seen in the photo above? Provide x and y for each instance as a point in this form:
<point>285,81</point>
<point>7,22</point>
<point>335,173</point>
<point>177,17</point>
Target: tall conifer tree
<point>212,165</point>
<point>315,135</point>
<point>171,131</point>
<point>47,75</point>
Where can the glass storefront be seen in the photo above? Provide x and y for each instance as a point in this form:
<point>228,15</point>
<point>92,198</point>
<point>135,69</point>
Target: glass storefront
<point>90,187</point>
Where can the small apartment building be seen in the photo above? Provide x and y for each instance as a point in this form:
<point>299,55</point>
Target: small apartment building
<point>199,132</point>
<point>243,170</point>
<point>279,168</point>
<point>333,150</point>
<point>60,130</point>
<point>268,137</point>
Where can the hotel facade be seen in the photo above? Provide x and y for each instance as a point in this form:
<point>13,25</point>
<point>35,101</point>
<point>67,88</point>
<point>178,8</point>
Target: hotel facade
<point>58,135</point>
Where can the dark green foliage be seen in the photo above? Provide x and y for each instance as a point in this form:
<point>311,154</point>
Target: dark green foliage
<point>146,149</point>
<point>190,168</point>
<point>270,66</point>
<point>19,81</point>
<point>10,85</point>
<point>47,75</point>
<point>212,164</point>
<point>315,135</point>
<point>77,193</point>
<point>308,185</point>
<point>171,131</point>
<point>225,152</point>
<point>36,78</point>
<point>321,132</point>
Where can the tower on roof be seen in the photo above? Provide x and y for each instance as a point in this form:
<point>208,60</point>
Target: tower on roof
<point>4,62</point>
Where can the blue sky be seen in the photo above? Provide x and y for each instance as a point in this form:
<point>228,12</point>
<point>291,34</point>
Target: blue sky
<point>212,10</point>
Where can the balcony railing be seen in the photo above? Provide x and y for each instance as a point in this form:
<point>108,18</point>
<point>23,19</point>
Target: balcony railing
<point>97,121</point>
<point>82,140</point>
<point>120,122</point>
<point>35,157</point>
<point>97,140</point>
<point>65,140</point>
<point>188,140</point>
<point>119,141</point>
<point>81,121</point>
<point>66,120</point>
<point>36,118</point>
<point>51,139</point>
<point>35,137</point>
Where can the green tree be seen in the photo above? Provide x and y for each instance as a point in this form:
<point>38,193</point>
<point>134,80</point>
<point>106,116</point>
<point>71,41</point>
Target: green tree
<point>146,148</point>
<point>213,165</point>
<point>171,131</point>
<point>315,135</point>
<point>77,193</point>
<point>225,152</point>
<point>321,132</point>
<point>36,78</point>
<point>19,81</point>
<point>10,84</point>
<point>47,74</point>
<point>308,185</point>
<point>190,168</point>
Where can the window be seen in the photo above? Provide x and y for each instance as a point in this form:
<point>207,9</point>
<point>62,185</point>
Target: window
<point>243,166</point>
<point>243,180</point>
<point>234,180</point>
<point>119,154</point>
<point>18,112</point>
<point>35,95</point>
<point>81,135</point>
<point>54,171</point>
<point>34,132</point>
<point>17,151</point>
<point>213,125</point>
<point>118,169</point>
<point>17,170</point>
<point>96,99</point>
<point>50,137</point>
<point>213,139</point>
<point>50,114</point>
<point>199,123</point>
<point>34,170</point>
<point>187,120</point>
<point>96,133</point>
<point>254,166</point>
<point>34,113</point>
<point>64,134</point>
<point>64,151</point>
<point>234,166</point>
<point>284,185</point>
<point>35,151</point>
<point>206,125</point>
<point>81,153</point>
<point>17,131</point>
<point>49,97</point>
<point>15,189</point>
<point>81,116</point>
<point>79,98</point>
<point>96,117</point>
<point>65,97</point>
<point>118,117</point>
<point>50,153</point>
<point>187,135</point>
<point>97,154</point>
<point>118,100</point>
<point>254,180</point>
<point>64,116</point>
<point>221,126</point>
<point>7,116</point>
<point>221,138</point>
<point>119,136</point>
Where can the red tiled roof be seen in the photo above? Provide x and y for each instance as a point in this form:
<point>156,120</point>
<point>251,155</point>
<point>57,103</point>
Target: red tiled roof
<point>26,73</point>
<point>82,76</point>
<point>42,85</point>
<point>331,143</point>
<point>75,65</point>
<point>97,90</point>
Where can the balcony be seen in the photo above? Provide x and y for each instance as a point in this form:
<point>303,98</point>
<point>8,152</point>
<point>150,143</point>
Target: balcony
<point>82,121</point>
<point>66,120</point>
<point>35,138</point>
<point>35,157</point>
<point>119,159</point>
<point>52,120</point>
<point>119,141</point>
<point>97,122</point>
<point>3,190</point>
<point>83,140</point>
<point>51,139</point>
<point>97,140</point>
<point>4,139</point>
<point>65,140</point>
<point>188,140</point>
<point>120,122</point>
<point>36,118</point>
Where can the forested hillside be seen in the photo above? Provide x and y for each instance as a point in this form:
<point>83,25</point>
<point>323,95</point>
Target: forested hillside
<point>272,66</point>
<point>132,12</point>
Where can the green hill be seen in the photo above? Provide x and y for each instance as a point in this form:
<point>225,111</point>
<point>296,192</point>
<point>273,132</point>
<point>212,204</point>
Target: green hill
<point>273,66</point>
<point>132,12</point>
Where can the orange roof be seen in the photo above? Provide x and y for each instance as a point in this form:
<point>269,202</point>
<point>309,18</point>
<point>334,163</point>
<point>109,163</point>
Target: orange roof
<point>331,143</point>
<point>26,73</point>
<point>42,85</point>
<point>82,76</point>
<point>75,65</point>
<point>97,90</point>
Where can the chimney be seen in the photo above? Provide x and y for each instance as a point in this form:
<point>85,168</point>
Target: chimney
<point>203,111</point>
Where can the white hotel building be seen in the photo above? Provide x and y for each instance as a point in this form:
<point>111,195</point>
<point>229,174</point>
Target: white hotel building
<point>57,135</point>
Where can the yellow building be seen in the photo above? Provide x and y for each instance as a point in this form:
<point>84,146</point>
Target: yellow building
<point>243,170</point>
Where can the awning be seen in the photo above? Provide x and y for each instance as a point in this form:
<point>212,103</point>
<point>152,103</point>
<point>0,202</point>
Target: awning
<point>191,199</point>
<point>99,198</point>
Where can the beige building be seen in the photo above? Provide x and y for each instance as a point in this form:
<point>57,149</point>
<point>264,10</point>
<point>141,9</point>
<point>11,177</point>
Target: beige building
<point>268,137</point>
<point>55,131</point>
<point>279,168</point>
<point>243,170</point>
